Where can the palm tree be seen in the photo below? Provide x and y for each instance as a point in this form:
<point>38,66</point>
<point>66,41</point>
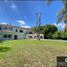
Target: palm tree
<point>62,15</point>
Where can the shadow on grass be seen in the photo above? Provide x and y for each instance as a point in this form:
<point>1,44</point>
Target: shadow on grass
<point>4,49</point>
<point>1,41</point>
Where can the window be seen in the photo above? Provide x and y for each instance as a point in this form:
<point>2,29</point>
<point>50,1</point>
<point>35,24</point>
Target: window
<point>30,33</point>
<point>5,36</point>
<point>21,31</point>
<point>30,36</point>
<point>9,36</point>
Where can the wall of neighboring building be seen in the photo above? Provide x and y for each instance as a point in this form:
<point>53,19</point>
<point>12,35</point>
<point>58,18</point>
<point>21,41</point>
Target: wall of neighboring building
<point>34,36</point>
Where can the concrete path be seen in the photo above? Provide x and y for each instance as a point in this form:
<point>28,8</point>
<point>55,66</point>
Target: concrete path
<point>54,40</point>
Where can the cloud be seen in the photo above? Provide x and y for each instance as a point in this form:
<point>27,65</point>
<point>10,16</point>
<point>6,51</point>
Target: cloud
<point>23,24</point>
<point>3,23</point>
<point>13,6</point>
<point>60,25</point>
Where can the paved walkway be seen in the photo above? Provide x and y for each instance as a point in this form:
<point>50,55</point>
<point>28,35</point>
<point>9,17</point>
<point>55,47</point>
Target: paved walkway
<point>54,40</point>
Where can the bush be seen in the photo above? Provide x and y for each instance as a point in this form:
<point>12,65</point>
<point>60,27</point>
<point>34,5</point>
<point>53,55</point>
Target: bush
<point>64,36</point>
<point>1,41</point>
<point>4,49</point>
<point>60,35</point>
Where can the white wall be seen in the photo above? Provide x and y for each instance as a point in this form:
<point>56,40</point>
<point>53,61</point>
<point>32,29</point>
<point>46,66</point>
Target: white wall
<point>21,35</point>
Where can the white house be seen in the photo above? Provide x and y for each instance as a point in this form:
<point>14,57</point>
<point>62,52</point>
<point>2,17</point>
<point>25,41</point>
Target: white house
<point>34,36</point>
<point>12,32</point>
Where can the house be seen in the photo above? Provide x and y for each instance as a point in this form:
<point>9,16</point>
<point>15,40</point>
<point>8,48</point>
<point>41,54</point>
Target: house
<point>12,32</point>
<point>34,36</point>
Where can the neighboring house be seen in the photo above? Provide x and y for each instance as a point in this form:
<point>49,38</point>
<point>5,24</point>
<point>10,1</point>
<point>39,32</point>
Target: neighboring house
<point>12,32</point>
<point>34,36</point>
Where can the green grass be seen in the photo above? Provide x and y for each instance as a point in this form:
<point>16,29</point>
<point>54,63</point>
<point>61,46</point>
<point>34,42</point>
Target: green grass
<point>31,53</point>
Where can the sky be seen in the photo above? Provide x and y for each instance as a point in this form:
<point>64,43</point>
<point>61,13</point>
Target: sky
<point>23,13</point>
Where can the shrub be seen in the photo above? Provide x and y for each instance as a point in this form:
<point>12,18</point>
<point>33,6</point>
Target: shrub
<point>64,36</point>
<point>60,35</point>
<point>1,41</point>
<point>4,49</point>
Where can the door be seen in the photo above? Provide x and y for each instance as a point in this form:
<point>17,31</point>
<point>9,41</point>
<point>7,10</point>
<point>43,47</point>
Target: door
<point>15,37</point>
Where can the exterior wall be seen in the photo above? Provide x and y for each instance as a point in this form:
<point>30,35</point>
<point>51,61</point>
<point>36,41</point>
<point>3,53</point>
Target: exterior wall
<point>20,35</point>
<point>2,38</point>
<point>11,30</point>
<point>14,30</point>
<point>34,36</point>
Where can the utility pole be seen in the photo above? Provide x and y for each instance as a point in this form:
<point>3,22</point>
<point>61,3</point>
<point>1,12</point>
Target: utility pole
<point>38,24</point>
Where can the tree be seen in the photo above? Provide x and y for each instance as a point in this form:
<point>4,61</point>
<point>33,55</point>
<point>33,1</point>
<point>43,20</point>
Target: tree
<point>57,35</point>
<point>47,30</point>
<point>64,36</point>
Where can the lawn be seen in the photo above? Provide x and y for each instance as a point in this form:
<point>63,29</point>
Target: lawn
<point>31,53</point>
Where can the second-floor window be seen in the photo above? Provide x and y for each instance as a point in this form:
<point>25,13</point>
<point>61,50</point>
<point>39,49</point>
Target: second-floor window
<point>21,31</point>
<point>30,33</point>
